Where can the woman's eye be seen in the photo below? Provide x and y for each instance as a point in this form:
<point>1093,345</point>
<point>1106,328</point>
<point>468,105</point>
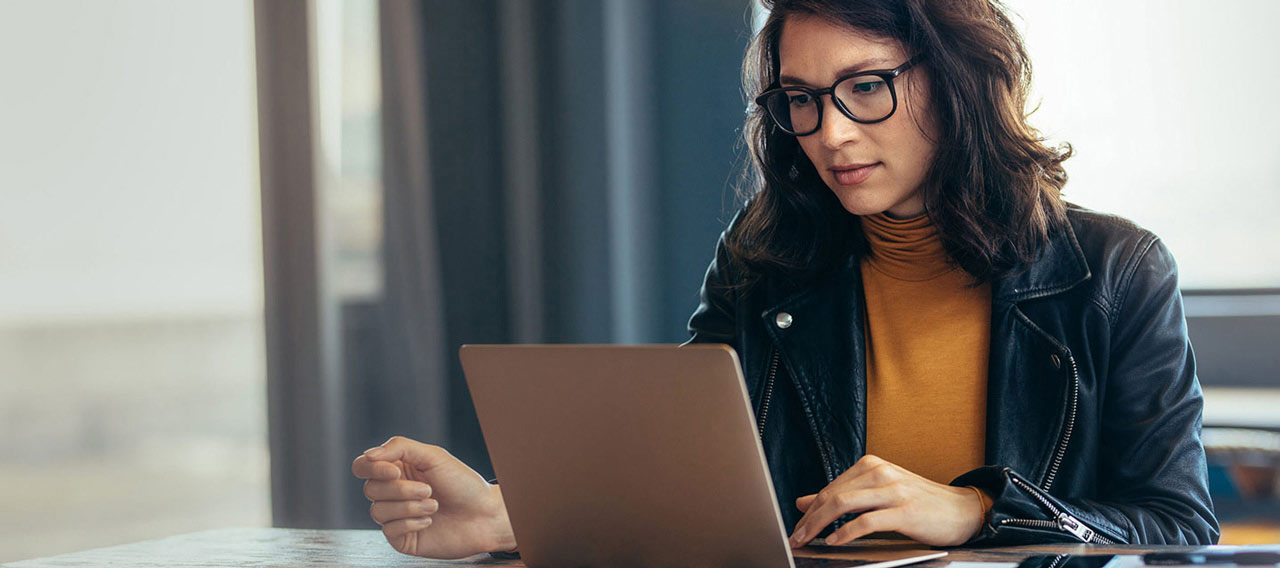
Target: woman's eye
<point>801,99</point>
<point>867,87</point>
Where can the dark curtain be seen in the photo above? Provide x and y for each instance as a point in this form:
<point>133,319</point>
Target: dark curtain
<point>570,162</point>
<point>553,171</point>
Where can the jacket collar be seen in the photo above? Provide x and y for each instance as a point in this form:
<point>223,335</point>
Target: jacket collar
<point>1060,267</point>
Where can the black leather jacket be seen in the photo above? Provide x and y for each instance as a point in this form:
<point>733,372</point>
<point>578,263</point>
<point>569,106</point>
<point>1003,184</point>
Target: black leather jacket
<point>1093,407</point>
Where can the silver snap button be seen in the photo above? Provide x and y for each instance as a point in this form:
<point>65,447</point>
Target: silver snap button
<point>1057,361</point>
<point>783,320</point>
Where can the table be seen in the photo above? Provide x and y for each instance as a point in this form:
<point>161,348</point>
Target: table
<point>328,548</point>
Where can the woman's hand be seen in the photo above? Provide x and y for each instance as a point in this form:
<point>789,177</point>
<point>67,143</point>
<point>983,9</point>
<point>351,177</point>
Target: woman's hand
<point>431,504</point>
<point>889,498</point>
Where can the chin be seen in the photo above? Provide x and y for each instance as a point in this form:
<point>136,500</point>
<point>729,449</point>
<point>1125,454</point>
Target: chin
<point>861,202</point>
<point>867,198</point>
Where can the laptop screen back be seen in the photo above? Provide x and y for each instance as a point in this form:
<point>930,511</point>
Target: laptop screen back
<point>626,455</point>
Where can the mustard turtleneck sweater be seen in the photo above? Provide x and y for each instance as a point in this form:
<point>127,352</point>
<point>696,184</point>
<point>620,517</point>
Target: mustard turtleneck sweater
<point>928,338</point>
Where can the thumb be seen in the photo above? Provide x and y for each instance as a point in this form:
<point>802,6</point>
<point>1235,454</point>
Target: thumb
<point>413,452</point>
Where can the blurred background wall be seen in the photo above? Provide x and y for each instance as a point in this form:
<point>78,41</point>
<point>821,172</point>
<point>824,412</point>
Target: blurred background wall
<point>228,226</point>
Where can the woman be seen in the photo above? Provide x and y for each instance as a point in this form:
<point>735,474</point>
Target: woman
<point>937,345</point>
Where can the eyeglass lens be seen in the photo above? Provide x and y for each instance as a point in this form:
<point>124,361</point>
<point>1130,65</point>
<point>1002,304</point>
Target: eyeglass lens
<point>867,97</point>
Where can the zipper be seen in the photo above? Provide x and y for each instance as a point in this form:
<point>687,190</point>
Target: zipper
<point>1062,521</point>
<point>1031,524</point>
<point>1061,451</point>
<point>768,391</point>
<point>775,362</point>
<point>826,461</point>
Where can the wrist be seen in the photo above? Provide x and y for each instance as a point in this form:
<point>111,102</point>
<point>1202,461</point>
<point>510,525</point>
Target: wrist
<point>983,507</point>
<point>504,538</point>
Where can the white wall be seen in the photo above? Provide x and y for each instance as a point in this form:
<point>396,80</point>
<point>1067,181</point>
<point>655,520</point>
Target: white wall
<point>128,179</point>
<point>1171,107</point>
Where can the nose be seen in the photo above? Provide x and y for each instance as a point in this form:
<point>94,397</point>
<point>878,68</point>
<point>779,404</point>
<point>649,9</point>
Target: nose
<point>836,129</point>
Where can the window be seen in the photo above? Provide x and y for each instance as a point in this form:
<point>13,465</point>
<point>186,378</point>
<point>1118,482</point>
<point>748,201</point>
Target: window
<point>132,382</point>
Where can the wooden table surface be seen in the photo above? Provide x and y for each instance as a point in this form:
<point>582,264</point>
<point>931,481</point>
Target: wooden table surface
<point>323,548</point>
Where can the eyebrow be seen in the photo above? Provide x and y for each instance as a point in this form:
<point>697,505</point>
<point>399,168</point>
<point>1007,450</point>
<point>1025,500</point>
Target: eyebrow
<point>850,70</point>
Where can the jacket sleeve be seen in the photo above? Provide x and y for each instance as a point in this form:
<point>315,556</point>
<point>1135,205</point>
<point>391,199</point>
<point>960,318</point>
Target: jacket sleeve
<point>714,319</point>
<point>1152,481</point>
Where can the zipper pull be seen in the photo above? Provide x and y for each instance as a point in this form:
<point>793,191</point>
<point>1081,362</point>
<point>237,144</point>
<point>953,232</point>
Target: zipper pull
<point>1074,526</point>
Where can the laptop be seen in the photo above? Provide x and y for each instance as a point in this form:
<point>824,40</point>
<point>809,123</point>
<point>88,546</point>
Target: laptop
<point>631,456</point>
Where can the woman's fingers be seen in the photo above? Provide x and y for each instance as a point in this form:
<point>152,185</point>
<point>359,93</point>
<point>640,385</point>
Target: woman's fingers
<point>384,512</point>
<point>875,521</point>
<point>396,529</point>
<point>888,498</point>
<point>365,468</point>
<point>805,502</point>
<point>872,483</point>
<point>870,472</point>
<point>396,490</point>
<point>828,505</point>
<point>413,452</point>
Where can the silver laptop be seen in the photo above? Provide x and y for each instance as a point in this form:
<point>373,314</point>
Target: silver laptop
<point>628,456</point>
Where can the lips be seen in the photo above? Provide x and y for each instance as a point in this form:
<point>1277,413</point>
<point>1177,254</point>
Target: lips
<point>853,174</point>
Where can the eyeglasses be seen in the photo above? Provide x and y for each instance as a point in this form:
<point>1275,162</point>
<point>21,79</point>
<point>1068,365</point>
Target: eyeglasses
<point>866,97</point>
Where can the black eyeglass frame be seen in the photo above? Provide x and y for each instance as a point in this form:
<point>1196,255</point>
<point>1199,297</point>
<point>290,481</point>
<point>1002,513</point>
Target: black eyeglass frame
<point>888,75</point>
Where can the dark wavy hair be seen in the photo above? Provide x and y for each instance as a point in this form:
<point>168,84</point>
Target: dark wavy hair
<point>994,188</point>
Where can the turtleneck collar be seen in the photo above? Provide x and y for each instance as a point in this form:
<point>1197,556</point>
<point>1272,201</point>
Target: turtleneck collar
<point>906,249</point>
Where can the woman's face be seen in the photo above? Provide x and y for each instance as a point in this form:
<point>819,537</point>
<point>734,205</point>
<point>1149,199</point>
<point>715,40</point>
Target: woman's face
<point>872,168</point>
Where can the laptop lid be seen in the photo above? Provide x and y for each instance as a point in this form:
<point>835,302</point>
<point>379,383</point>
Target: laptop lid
<point>626,455</point>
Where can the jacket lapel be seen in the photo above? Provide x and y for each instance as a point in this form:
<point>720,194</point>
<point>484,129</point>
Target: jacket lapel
<point>821,343</point>
<point>1028,377</point>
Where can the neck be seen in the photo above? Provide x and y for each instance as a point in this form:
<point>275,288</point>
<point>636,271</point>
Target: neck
<point>912,207</point>
<point>909,249</point>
